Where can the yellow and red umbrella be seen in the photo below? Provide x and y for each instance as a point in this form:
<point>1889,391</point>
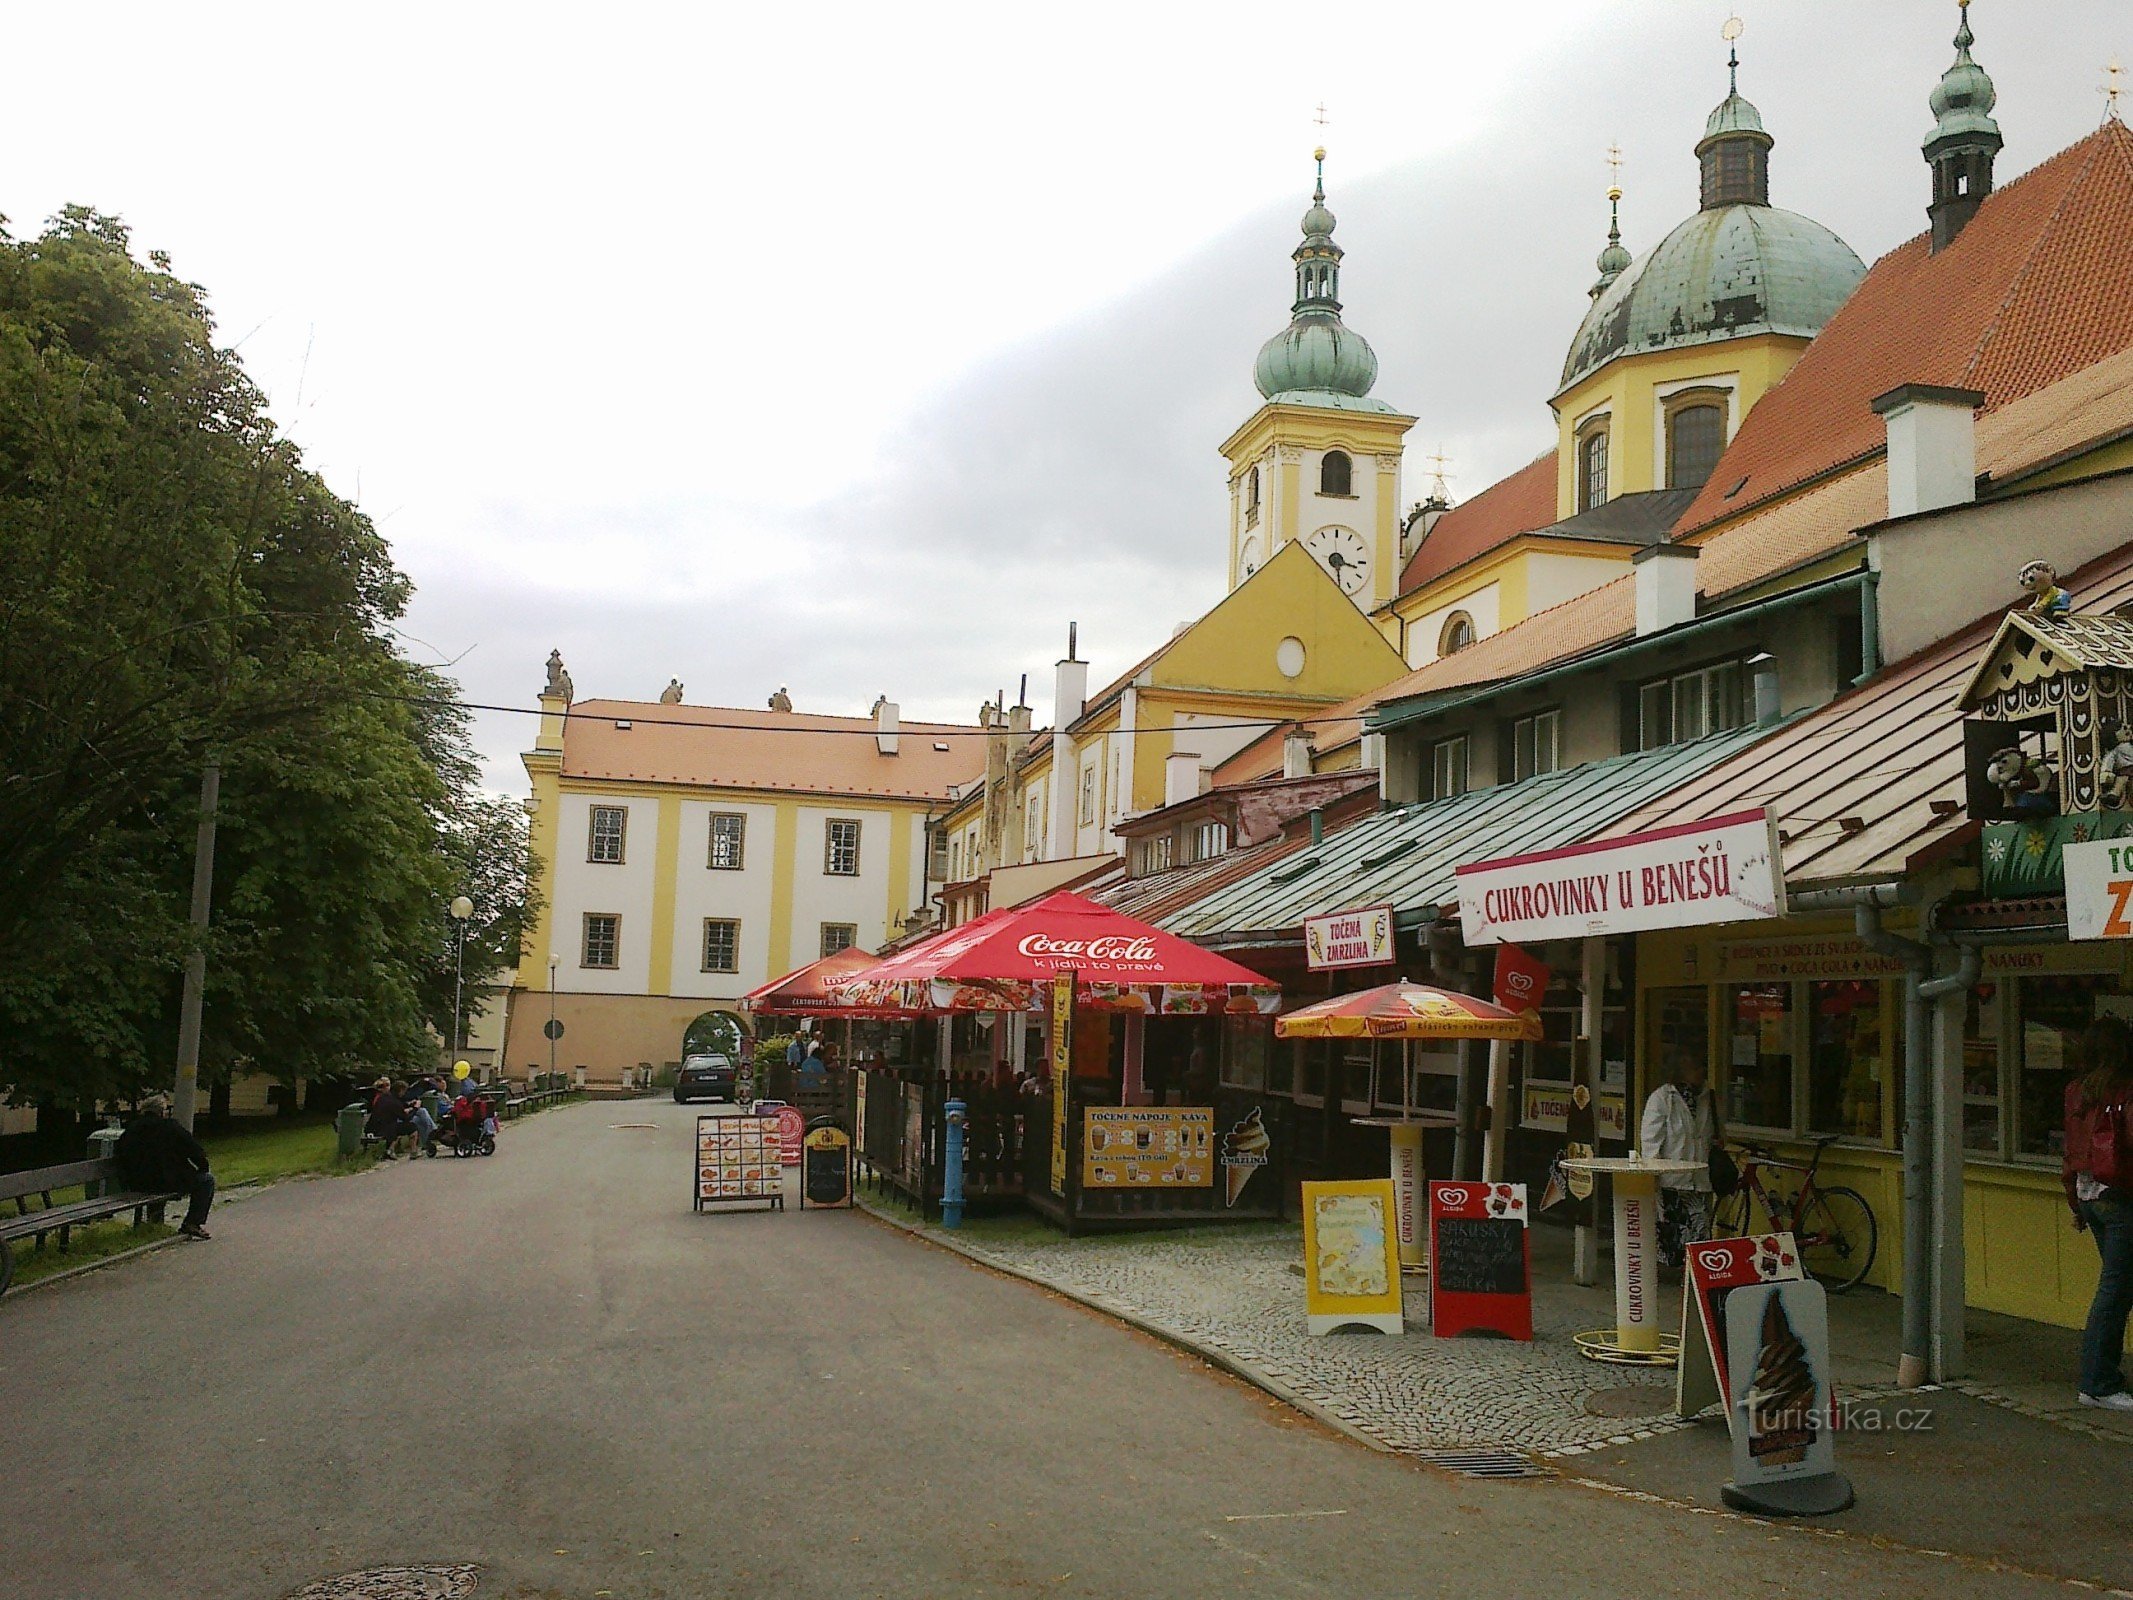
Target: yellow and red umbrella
<point>1408,1011</point>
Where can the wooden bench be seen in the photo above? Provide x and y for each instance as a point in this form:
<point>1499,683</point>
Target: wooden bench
<point>100,1181</point>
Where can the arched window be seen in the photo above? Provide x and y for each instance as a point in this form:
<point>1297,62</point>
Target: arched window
<point>1456,634</point>
<point>1251,498</point>
<point>1695,434</point>
<point>1335,473</point>
<point>1592,466</point>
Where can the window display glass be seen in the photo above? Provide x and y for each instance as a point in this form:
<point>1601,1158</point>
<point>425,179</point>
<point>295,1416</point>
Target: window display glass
<point>1245,1041</point>
<point>1846,1062</point>
<point>1759,1052</point>
<point>2054,1011</point>
<point>1981,1070</point>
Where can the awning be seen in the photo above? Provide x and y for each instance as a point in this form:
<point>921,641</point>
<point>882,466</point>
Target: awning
<point>1002,960</point>
<point>1408,1011</point>
<point>805,991</point>
<point>1404,858</point>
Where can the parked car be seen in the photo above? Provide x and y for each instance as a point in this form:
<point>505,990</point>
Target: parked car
<point>705,1078</point>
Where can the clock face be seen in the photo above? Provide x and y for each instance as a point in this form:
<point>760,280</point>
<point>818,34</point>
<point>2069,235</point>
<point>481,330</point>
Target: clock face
<point>1344,555</point>
<point>1248,558</point>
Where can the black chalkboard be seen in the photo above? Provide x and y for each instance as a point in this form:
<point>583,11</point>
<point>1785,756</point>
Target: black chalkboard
<point>826,1174</point>
<point>1479,1255</point>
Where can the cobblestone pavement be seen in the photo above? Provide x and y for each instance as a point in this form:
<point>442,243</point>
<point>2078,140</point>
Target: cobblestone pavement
<point>1240,1293</point>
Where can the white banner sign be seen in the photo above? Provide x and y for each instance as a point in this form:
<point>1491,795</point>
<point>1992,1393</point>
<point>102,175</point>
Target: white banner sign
<point>1350,938</point>
<point>1724,870</point>
<point>2099,889</point>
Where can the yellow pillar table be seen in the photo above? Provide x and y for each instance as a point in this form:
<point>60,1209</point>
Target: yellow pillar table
<point>1410,1184</point>
<point>1635,1339</point>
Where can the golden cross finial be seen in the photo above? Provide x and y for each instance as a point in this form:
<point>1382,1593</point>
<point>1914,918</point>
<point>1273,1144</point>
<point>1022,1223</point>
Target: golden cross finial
<point>2111,89</point>
<point>1437,464</point>
<point>1319,116</point>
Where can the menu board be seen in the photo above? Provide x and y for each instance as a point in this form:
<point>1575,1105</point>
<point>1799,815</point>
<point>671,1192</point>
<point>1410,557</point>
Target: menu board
<point>1480,1273</point>
<point>1147,1146</point>
<point>738,1158</point>
<point>1351,1257</point>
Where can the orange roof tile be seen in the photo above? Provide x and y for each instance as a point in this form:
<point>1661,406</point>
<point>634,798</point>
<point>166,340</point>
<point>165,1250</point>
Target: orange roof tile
<point>1512,506</point>
<point>1330,728</point>
<point>2038,285</point>
<point>726,748</point>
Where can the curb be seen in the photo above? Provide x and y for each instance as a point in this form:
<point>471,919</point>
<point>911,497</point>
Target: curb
<point>17,1291</point>
<point>1220,1359</point>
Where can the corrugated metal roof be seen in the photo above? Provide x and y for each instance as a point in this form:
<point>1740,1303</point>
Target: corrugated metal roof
<point>1159,893</point>
<point>1871,783</point>
<point>1405,858</point>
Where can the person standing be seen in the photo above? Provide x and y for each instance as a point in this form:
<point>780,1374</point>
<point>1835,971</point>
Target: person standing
<point>2097,1170</point>
<point>156,1155</point>
<point>1680,1123</point>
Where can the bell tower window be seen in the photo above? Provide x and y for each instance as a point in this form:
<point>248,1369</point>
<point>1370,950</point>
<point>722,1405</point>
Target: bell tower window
<point>1695,435</point>
<point>1251,498</point>
<point>1592,465</point>
<point>1335,473</point>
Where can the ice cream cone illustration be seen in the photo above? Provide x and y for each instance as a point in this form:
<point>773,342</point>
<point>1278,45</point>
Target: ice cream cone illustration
<point>1244,1152</point>
<point>1781,1396</point>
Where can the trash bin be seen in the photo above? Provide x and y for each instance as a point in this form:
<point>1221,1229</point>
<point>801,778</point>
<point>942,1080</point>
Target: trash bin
<point>348,1128</point>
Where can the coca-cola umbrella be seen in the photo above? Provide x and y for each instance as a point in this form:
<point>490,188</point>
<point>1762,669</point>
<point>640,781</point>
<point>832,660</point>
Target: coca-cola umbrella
<point>1002,961</point>
<point>805,991</point>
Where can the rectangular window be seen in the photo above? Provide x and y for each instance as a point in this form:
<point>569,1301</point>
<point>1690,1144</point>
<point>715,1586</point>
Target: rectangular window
<point>722,945</point>
<point>1088,794</point>
<point>840,848</point>
<point>604,836</point>
<point>1981,1071</point>
<point>839,936</point>
<point>1209,840</point>
<point>1847,1058</point>
<point>1536,744</point>
<point>603,940</point>
<point>1758,1075</point>
<point>1592,469</point>
<point>1245,1041</point>
<point>729,840</point>
<point>1155,854</point>
<point>1447,768</point>
<point>2055,1011</point>
<point>1690,705</point>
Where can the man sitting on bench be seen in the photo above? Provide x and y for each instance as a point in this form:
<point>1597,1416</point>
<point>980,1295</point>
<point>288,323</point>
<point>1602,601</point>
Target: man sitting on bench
<point>157,1155</point>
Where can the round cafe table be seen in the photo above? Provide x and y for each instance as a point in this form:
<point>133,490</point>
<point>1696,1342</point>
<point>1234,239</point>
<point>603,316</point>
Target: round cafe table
<point>1410,1184</point>
<point>1635,1339</point>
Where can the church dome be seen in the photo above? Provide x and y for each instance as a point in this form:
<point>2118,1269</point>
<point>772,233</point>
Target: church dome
<point>1725,272</point>
<point>1733,115</point>
<point>1317,352</point>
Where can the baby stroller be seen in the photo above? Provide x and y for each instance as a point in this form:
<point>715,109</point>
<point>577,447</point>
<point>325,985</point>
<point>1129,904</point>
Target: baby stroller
<point>469,1130</point>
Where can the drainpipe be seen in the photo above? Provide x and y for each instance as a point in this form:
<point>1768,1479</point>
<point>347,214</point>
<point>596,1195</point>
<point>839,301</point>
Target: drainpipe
<point>1943,996</point>
<point>1869,626</point>
<point>1917,959</point>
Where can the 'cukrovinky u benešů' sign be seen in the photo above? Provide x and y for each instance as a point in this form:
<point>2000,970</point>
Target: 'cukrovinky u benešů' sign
<point>1697,873</point>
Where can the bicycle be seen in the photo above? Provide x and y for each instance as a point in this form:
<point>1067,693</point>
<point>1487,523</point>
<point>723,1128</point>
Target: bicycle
<point>1833,1226</point>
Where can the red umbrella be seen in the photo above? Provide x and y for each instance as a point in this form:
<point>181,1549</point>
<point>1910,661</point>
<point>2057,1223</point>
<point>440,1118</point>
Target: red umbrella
<point>805,991</point>
<point>998,962</point>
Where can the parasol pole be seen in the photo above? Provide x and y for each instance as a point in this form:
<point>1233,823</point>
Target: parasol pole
<point>1492,1143</point>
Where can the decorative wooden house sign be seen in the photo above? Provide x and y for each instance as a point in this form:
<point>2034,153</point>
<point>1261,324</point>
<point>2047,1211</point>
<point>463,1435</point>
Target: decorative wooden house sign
<point>2049,726</point>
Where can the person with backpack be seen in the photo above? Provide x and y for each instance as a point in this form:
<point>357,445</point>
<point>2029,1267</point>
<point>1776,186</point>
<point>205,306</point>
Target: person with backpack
<point>2097,1169</point>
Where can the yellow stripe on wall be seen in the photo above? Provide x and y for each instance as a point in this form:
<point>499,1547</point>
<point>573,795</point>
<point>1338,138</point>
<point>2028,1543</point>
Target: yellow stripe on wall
<point>781,884</point>
<point>666,856</point>
<point>899,870</point>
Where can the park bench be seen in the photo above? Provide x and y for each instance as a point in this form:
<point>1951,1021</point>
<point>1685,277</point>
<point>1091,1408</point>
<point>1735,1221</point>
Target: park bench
<point>106,1196</point>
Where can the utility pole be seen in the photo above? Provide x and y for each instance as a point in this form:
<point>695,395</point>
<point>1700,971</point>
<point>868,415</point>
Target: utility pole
<point>186,1092</point>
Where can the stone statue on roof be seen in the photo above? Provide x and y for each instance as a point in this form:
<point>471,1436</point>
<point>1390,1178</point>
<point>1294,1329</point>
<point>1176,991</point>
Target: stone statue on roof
<point>671,694</point>
<point>880,700</point>
<point>781,701</point>
<point>558,679</point>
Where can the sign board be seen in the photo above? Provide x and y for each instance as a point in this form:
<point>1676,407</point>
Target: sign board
<point>1521,980</point>
<point>1408,1197</point>
<point>792,1133</point>
<point>1725,870</point>
<point>1245,1149</point>
<point>1351,1265</point>
<point>553,1028</point>
<point>1714,1269</point>
<point>1349,939</point>
<point>826,1169</point>
<point>1147,1147</point>
<point>1777,1350</point>
<point>1062,1074</point>
<point>1480,1261</point>
<point>1548,1107</point>
<point>2099,889</point>
<point>737,1159</point>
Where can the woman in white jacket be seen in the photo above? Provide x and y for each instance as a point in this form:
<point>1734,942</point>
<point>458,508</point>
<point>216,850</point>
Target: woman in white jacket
<point>1681,1124</point>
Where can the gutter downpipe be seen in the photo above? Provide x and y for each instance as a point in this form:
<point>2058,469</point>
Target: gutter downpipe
<point>1446,952</point>
<point>1917,958</point>
<point>1869,626</point>
<point>1943,999</point>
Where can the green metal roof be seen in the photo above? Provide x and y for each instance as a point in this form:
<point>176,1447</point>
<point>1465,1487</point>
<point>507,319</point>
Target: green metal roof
<point>1405,857</point>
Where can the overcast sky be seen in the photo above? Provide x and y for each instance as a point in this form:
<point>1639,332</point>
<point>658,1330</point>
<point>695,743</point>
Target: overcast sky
<point>859,348</point>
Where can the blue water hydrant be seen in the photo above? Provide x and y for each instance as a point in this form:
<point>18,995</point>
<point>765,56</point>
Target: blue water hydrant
<point>952,1167</point>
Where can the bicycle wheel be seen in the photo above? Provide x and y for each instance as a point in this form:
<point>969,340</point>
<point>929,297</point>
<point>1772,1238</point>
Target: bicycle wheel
<point>1729,1215</point>
<point>1837,1236</point>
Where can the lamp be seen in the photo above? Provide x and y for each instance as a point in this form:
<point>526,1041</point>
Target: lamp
<point>461,909</point>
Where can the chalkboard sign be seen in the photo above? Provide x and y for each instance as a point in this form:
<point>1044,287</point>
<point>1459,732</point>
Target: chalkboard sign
<point>1480,1267</point>
<point>1480,1255</point>
<point>826,1167</point>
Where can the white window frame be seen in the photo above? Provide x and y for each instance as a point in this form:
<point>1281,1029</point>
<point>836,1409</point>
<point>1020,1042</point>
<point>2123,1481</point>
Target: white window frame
<point>831,853</point>
<point>1528,735</point>
<point>733,925</point>
<point>1443,755</point>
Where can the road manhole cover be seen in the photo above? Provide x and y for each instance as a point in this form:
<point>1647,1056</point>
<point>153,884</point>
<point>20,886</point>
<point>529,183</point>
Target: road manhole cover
<point>394,1583</point>
<point>1632,1400</point>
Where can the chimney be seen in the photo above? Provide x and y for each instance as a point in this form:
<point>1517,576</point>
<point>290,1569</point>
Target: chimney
<point>1070,683</point>
<point>1182,775</point>
<point>1666,586</point>
<point>1296,753</point>
<point>885,726</point>
<point>1932,446</point>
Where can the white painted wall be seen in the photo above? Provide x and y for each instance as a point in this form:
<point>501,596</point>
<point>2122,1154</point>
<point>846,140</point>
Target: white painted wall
<point>701,892</point>
<point>818,897</point>
<point>1216,737</point>
<point>1551,579</point>
<point>623,888</point>
<point>1482,605</point>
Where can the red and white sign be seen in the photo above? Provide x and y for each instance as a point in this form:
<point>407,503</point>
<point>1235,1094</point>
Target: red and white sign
<point>1521,980</point>
<point>1715,1268</point>
<point>792,1135</point>
<point>1480,1260</point>
<point>1349,939</point>
<point>1698,873</point>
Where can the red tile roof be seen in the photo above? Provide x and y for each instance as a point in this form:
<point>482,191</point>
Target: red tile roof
<point>2039,285</point>
<point>1512,506</point>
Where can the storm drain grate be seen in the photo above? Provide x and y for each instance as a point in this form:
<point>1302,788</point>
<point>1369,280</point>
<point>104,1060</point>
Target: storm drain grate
<point>1486,1463</point>
<point>394,1583</point>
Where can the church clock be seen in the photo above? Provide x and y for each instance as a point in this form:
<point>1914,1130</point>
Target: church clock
<point>1344,555</point>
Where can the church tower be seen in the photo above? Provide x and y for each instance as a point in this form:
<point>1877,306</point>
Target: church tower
<point>1963,141</point>
<point>1319,462</point>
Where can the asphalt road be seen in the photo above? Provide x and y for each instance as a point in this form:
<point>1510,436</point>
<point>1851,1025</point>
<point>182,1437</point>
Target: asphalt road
<point>547,1364</point>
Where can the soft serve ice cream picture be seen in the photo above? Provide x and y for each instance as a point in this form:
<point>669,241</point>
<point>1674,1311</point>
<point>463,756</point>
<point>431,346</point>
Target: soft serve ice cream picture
<point>1245,1149</point>
<point>1780,1402</point>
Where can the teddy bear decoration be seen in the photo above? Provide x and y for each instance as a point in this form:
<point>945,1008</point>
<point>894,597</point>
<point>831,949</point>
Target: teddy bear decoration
<point>2028,785</point>
<point>2041,581</point>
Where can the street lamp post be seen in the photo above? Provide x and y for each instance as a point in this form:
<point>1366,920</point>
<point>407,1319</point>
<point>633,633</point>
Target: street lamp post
<point>554,961</point>
<point>462,909</point>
